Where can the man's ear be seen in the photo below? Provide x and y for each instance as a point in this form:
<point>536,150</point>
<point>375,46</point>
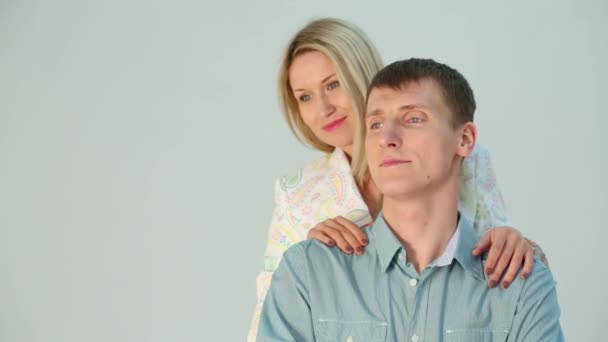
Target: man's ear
<point>468,138</point>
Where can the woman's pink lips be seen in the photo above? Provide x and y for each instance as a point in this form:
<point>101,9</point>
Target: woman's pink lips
<point>334,124</point>
<point>393,162</point>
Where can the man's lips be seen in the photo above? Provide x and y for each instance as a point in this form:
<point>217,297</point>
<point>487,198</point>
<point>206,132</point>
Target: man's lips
<point>334,124</point>
<point>393,162</point>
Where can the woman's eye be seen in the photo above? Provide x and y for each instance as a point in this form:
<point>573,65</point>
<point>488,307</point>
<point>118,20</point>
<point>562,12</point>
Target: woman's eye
<point>376,125</point>
<point>414,120</point>
<point>333,85</point>
<point>304,98</point>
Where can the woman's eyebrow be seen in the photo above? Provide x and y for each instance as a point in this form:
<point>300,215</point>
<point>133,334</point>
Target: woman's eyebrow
<point>323,81</point>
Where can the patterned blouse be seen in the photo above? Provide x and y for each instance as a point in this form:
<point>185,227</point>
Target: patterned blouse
<point>325,188</point>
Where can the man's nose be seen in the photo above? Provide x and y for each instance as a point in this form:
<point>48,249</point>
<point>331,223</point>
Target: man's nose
<point>390,136</point>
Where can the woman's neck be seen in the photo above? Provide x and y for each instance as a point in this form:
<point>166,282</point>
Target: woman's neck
<point>348,152</point>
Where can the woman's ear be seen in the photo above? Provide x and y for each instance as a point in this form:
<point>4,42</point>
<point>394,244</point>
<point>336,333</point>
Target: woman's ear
<point>468,138</point>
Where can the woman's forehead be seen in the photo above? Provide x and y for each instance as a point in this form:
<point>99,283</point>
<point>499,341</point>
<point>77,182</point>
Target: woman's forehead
<point>312,67</point>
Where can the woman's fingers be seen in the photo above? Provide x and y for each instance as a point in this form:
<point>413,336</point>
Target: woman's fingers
<point>346,241</point>
<point>509,253</point>
<point>516,261</point>
<point>318,234</point>
<point>353,229</point>
<point>340,232</point>
<point>528,263</point>
<point>498,242</point>
<point>503,261</point>
<point>482,245</point>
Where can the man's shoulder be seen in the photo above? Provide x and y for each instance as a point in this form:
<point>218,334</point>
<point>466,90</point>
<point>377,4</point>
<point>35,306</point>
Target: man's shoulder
<point>322,258</point>
<point>540,281</point>
<point>313,249</point>
<point>537,284</point>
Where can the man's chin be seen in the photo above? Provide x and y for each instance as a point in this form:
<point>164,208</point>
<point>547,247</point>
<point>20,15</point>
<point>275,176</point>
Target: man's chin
<point>397,189</point>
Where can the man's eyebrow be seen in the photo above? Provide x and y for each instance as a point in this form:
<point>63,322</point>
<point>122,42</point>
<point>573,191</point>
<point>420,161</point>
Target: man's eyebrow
<point>323,81</point>
<point>402,108</point>
<point>374,113</point>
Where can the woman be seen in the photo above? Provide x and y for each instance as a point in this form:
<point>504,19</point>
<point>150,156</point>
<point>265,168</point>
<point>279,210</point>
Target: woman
<point>322,85</point>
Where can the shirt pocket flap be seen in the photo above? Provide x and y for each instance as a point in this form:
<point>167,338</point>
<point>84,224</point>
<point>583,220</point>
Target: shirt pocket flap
<point>351,331</point>
<point>476,335</point>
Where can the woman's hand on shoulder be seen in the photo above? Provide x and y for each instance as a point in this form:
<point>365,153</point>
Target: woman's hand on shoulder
<point>340,232</point>
<point>508,251</point>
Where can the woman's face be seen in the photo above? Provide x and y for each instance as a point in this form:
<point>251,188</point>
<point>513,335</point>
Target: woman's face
<point>324,104</point>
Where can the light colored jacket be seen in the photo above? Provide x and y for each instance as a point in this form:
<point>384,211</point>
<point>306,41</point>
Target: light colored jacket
<point>325,188</point>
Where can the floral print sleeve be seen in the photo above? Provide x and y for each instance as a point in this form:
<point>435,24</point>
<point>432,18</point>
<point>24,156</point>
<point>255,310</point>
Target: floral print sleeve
<point>480,197</point>
<point>282,234</point>
<point>322,189</point>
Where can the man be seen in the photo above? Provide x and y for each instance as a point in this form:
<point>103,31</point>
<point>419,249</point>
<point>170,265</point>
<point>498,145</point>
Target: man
<point>418,280</point>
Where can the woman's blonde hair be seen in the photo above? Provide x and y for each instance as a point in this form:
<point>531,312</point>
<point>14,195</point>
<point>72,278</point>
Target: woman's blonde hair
<point>356,61</point>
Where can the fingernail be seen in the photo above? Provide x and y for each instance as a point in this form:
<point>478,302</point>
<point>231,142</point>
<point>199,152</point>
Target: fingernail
<point>359,250</point>
<point>492,283</point>
<point>349,249</point>
<point>524,275</point>
<point>331,243</point>
<point>365,242</point>
<point>489,270</point>
<point>505,284</point>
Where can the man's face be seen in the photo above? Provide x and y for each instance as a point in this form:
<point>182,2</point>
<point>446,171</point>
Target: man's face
<point>412,146</point>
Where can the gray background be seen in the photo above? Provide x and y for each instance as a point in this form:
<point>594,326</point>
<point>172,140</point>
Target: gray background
<point>139,142</point>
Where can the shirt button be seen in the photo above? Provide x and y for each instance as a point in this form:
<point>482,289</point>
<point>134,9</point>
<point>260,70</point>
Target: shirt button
<point>415,338</point>
<point>413,282</point>
<point>350,339</point>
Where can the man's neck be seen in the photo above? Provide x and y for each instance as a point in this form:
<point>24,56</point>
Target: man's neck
<point>424,223</point>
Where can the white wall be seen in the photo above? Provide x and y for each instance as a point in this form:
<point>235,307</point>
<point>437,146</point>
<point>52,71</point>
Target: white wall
<point>139,142</point>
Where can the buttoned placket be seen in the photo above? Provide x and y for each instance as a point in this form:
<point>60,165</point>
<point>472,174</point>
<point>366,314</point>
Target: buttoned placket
<point>417,292</point>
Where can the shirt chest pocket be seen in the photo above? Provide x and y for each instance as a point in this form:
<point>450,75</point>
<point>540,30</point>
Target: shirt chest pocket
<point>351,331</point>
<point>476,335</point>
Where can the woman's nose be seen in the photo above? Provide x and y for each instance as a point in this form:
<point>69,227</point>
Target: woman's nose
<point>325,106</point>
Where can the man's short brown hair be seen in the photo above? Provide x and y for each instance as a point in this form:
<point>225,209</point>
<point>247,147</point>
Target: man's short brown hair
<point>456,91</point>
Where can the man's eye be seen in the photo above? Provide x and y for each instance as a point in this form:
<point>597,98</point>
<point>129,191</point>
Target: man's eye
<point>333,85</point>
<point>414,120</point>
<point>304,98</point>
<point>376,125</point>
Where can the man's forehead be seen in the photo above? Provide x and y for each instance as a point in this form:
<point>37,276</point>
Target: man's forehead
<point>409,94</point>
